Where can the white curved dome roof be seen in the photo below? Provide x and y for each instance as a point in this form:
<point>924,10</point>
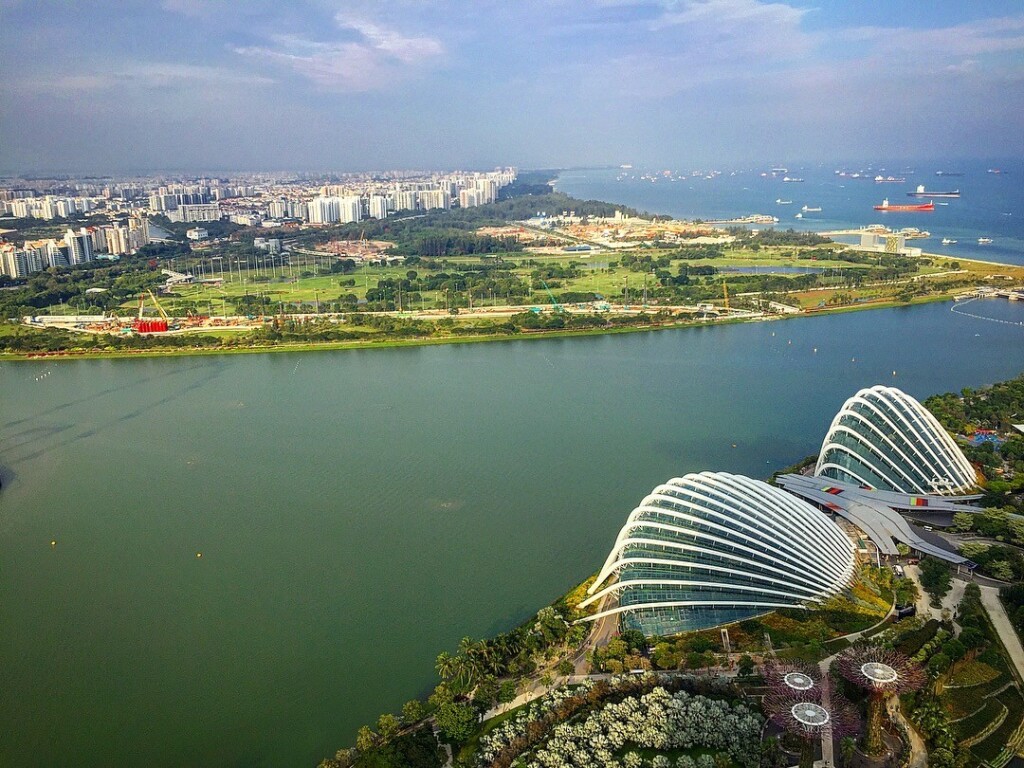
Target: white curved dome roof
<point>883,438</point>
<point>713,548</point>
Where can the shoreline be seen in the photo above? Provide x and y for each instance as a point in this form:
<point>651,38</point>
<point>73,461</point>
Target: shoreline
<point>31,357</point>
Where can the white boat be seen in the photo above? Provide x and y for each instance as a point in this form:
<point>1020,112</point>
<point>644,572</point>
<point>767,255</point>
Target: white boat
<point>780,201</point>
<point>984,241</point>
<point>809,209</point>
<point>798,216</point>
<point>948,241</point>
<point>791,179</point>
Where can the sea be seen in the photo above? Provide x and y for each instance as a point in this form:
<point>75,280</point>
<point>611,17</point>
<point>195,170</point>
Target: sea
<point>991,202</point>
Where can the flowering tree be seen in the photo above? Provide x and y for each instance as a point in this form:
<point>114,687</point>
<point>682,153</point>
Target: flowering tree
<point>655,720</point>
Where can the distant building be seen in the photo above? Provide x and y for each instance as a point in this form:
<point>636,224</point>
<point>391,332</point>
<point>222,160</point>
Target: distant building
<point>79,246</point>
<point>268,244</point>
<point>324,210</point>
<point>350,209</point>
<point>198,212</point>
<point>378,207</point>
<point>197,233</point>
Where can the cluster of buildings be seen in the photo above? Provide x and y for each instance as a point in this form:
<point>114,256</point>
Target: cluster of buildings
<point>76,247</point>
<point>714,548</point>
<point>253,201</point>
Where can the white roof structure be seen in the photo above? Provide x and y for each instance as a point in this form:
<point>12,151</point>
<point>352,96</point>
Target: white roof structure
<point>714,548</point>
<point>883,438</point>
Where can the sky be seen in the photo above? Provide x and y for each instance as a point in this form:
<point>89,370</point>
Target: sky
<point>121,86</point>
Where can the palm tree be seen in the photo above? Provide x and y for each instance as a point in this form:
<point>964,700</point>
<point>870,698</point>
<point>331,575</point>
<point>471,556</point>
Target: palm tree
<point>445,665</point>
<point>465,672</point>
<point>847,746</point>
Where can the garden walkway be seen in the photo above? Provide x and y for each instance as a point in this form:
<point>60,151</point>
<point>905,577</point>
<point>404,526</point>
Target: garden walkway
<point>994,606</point>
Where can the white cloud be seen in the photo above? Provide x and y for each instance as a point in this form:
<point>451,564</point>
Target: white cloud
<point>376,57</point>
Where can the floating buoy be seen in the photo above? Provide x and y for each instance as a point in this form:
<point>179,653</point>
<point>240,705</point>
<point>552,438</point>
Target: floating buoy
<point>815,350</point>
<point>790,341</point>
<point>734,445</point>
<point>53,542</point>
<point>894,373</point>
<point>199,554</point>
<point>853,359</point>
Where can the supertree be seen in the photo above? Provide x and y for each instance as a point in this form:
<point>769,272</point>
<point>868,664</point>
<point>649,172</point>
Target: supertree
<point>804,705</point>
<point>881,673</point>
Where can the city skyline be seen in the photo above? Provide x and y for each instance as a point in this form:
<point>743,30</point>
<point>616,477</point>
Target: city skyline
<point>203,84</point>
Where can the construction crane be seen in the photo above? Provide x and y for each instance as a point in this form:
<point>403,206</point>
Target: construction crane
<point>554,302</point>
<point>160,309</point>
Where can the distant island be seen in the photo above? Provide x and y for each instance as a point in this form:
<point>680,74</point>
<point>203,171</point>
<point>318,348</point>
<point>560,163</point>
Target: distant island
<point>509,258</point>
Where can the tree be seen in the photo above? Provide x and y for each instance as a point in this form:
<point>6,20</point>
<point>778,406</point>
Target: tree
<point>412,711</point>
<point>935,578</point>
<point>847,748</point>
<point>366,739</point>
<point>387,726</point>
<point>507,691</point>
<point>772,755</point>
<point>938,664</point>
<point>745,665</point>
<point>962,521</point>
<point>565,667</point>
<point>1001,570</point>
<point>445,665</point>
<point>457,720</point>
<point>903,549</point>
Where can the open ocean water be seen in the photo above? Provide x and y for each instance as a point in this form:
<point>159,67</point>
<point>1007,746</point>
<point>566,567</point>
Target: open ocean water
<point>991,205</point>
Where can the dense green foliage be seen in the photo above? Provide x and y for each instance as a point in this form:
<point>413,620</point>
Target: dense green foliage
<point>935,578</point>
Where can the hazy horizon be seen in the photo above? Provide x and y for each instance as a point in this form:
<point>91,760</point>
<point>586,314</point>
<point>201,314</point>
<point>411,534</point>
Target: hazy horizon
<point>318,86</point>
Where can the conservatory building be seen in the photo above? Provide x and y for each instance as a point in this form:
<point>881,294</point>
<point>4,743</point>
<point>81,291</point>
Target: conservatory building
<point>884,439</point>
<point>714,548</point>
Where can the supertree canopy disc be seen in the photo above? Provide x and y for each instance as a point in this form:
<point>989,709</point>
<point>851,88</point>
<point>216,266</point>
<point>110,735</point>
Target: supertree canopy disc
<point>810,715</point>
<point>879,673</point>
<point>798,681</point>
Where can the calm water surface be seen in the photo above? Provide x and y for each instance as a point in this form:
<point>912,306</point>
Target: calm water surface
<point>357,512</point>
<point>991,205</point>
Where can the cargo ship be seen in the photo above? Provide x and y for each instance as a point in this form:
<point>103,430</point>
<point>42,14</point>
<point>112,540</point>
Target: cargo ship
<point>887,206</point>
<point>921,193</point>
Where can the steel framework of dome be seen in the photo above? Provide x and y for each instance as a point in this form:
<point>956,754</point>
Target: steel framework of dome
<point>714,548</point>
<point>885,439</point>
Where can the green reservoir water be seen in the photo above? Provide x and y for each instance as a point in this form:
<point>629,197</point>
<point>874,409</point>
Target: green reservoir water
<point>359,511</point>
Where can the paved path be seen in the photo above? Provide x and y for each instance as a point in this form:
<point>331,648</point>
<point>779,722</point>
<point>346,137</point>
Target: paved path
<point>924,608</point>
<point>990,599</point>
<point>918,750</point>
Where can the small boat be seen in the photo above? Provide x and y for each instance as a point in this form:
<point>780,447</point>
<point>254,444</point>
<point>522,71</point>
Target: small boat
<point>798,216</point>
<point>889,179</point>
<point>948,241</point>
<point>984,241</point>
<point>780,201</point>
<point>809,209</point>
<point>791,179</point>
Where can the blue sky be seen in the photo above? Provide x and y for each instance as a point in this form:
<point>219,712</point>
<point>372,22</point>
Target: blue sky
<point>106,86</point>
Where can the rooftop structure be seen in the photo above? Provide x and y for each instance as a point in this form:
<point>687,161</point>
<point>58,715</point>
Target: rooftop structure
<point>714,548</point>
<point>883,438</point>
<point>877,513</point>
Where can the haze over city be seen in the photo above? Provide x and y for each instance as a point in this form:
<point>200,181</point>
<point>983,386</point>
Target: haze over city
<point>189,84</point>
